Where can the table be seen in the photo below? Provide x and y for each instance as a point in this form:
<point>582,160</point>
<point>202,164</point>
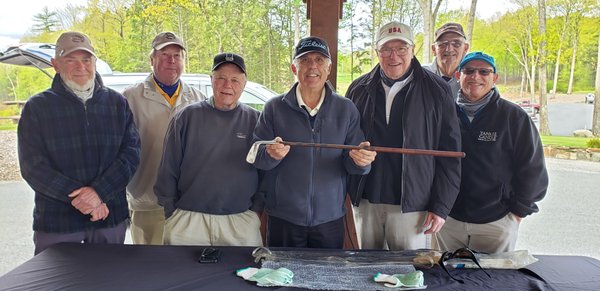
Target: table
<point>142,267</point>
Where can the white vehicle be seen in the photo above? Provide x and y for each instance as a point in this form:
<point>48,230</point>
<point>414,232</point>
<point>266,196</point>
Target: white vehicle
<point>39,54</point>
<point>589,98</point>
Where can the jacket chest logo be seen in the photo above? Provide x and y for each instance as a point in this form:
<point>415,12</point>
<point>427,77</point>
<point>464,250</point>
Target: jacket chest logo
<point>487,136</point>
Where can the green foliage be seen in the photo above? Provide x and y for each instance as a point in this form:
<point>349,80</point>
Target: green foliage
<point>593,143</point>
<point>264,33</point>
<point>566,141</point>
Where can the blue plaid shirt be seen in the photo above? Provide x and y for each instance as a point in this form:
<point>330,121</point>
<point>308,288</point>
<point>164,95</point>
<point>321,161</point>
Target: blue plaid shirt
<point>65,144</point>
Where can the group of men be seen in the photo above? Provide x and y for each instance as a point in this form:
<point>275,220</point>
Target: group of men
<point>174,161</point>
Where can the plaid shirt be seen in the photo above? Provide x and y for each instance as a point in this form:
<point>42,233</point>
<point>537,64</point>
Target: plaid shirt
<point>65,144</point>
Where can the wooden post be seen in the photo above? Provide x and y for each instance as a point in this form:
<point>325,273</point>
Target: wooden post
<point>324,18</point>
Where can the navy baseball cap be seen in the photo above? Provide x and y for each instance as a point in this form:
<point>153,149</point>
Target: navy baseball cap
<point>478,56</point>
<point>311,44</point>
<point>224,58</point>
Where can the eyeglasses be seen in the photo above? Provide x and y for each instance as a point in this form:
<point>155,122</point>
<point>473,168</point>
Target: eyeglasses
<point>482,72</point>
<point>462,253</point>
<point>386,52</point>
<point>444,44</point>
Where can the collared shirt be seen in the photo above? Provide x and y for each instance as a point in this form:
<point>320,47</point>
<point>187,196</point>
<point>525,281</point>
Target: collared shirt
<point>311,111</point>
<point>390,93</point>
<point>171,99</point>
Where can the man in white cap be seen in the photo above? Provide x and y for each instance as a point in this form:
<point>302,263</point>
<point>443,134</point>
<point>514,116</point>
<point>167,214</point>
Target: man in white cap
<point>405,198</point>
<point>208,190</point>
<point>449,49</point>
<point>154,102</point>
<point>305,187</point>
<point>78,149</point>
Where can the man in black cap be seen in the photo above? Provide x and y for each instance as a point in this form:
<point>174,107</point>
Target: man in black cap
<point>449,48</point>
<point>305,187</point>
<point>153,103</point>
<point>208,190</point>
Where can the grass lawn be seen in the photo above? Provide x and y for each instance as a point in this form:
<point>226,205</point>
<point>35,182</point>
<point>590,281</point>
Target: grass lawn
<point>567,141</point>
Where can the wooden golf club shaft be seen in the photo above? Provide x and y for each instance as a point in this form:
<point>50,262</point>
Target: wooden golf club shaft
<point>449,154</point>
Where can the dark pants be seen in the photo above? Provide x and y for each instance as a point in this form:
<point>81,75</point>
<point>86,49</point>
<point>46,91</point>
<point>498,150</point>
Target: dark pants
<point>112,235</point>
<point>282,233</point>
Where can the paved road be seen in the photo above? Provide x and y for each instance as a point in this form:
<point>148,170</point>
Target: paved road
<point>568,222</point>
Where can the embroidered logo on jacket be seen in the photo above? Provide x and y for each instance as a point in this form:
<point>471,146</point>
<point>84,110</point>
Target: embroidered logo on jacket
<point>487,136</point>
<point>240,135</point>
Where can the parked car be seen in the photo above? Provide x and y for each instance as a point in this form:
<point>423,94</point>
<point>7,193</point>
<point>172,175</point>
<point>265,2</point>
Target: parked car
<point>39,54</point>
<point>255,95</point>
<point>589,98</point>
<point>528,106</point>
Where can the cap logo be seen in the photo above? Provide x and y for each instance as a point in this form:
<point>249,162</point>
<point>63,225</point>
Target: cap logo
<point>169,35</point>
<point>77,38</point>
<point>394,29</point>
<point>311,43</point>
<point>229,57</point>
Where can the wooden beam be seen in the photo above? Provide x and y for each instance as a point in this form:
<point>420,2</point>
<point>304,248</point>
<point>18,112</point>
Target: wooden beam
<point>324,16</point>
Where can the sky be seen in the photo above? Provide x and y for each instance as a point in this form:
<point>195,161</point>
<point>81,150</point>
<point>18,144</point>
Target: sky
<point>18,19</point>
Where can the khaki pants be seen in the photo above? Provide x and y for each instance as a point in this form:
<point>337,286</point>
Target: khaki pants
<point>147,226</point>
<point>195,228</point>
<point>384,226</point>
<point>498,236</point>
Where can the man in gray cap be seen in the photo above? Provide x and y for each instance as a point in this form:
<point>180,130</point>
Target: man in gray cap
<point>405,198</point>
<point>78,149</point>
<point>449,49</point>
<point>207,189</point>
<point>154,102</point>
<point>305,187</point>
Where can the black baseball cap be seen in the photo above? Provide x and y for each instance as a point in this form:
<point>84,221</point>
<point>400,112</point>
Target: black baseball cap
<point>311,44</point>
<point>224,58</point>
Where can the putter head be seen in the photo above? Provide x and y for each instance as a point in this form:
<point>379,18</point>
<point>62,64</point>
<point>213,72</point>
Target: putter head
<point>251,156</point>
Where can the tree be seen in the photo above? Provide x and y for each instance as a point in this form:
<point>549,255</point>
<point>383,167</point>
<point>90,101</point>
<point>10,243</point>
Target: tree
<point>471,21</point>
<point>596,118</point>
<point>544,127</point>
<point>45,21</point>
<point>429,16</point>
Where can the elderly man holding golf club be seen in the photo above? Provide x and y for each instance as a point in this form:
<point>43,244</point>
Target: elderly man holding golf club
<point>305,187</point>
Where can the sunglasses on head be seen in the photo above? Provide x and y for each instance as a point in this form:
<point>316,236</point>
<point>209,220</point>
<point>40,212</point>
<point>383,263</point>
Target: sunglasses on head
<point>462,253</point>
<point>483,72</point>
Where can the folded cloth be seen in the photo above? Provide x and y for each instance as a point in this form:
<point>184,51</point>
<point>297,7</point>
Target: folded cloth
<point>266,277</point>
<point>411,280</point>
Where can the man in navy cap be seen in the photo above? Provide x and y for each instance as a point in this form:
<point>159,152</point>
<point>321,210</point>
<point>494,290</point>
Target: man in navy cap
<point>503,174</point>
<point>305,187</point>
<point>154,102</point>
<point>208,190</point>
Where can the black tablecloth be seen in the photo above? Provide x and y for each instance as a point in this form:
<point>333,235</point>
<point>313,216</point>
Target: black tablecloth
<point>139,267</point>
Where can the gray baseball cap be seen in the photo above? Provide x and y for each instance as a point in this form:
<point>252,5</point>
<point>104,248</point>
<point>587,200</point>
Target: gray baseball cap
<point>71,41</point>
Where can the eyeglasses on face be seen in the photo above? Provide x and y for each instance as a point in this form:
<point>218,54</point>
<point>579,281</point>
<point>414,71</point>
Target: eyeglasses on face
<point>462,253</point>
<point>444,44</point>
<point>482,72</point>
<point>386,52</point>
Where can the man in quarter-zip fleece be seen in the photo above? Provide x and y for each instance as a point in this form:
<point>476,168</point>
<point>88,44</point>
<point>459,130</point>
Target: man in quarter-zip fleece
<point>503,174</point>
<point>154,102</point>
<point>305,187</point>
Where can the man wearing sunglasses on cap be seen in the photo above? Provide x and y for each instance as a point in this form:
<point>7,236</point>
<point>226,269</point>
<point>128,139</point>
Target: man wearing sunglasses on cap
<point>449,48</point>
<point>503,173</point>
